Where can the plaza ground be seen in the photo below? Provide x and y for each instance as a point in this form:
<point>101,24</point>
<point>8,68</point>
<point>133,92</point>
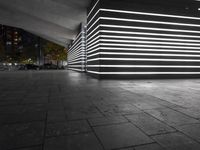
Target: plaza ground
<point>66,110</point>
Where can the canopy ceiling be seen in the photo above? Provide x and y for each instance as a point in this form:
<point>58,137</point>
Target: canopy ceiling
<point>55,20</point>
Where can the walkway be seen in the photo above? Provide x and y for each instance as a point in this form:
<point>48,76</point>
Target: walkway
<point>65,110</point>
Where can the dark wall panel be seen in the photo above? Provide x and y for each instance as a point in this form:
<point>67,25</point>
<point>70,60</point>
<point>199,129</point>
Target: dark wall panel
<point>128,40</point>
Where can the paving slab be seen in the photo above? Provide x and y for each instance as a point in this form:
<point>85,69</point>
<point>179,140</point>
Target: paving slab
<point>86,141</point>
<point>176,141</point>
<point>121,135</point>
<point>149,124</point>
<point>67,128</point>
<point>21,135</point>
<point>192,130</point>
<point>171,117</point>
<point>56,116</point>
<point>153,146</point>
<point>107,120</point>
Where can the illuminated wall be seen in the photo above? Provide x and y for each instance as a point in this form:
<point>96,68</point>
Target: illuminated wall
<point>77,52</point>
<point>134,40</point>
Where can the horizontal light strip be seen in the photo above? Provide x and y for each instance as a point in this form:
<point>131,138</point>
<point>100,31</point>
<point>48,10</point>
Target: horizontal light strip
<point>148,28</point>
<point>143,49</point>
<point>154,46</point>
<point>74,69</point>
<point>147,38</point>
<point>143,73</point>
<point>148,21</point>
<point>150,14</point>
<point>78,42</point>
<point>142,66</point>
<point>89,33</point>
<point>93,8</point>
<point>81,44</point>
<point>151,34</point>
<point>88,43</point>
<point>148,42</point>
<point>143,54</point>
<point>76,62</point>
<point>145,59</point>
<point>142,46</point>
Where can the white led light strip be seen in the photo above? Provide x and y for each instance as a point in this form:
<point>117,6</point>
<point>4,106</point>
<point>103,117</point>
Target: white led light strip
<point>148,38</point>
<point>76,62</point>
<point>144,73</point>
<point>142,21</point>
<point>143,54</point>
<point>93,8</point>
<point>149,28</point>
<point>150,14</point>
<point>141,66</point>
<point>74,69</point>
<point>152,46</point>
<point>142,49</point>
<point>145,59</point>
<point>147,42</point>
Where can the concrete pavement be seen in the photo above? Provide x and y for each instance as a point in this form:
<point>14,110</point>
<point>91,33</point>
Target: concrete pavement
<point>66,110</point>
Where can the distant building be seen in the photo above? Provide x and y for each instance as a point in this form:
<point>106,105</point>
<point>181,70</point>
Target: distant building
<point>12,38</point>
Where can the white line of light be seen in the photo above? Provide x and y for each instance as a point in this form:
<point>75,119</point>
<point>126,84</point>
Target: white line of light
<point>143,54</point>
<point>150,14</point>
<point>148,21</point>
<point>145,59</point>
<point>74,69</point>
<point>154,46</point>
<point>82,43</point>
<point>147,38</point>
<point>141,66</point>
<point>75,59</point>
<point>143,49</point>
<point>76,62</point>
<point>149,28</point>
<point>146,42</point>
<point>92,31</point>
<point>152,34</point>
<point>144,73</point>
<point>93,17</point>
<point>93,8</point>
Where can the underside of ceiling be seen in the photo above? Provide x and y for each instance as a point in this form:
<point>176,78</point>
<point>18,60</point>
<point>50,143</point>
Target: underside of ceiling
<point>54,20</point>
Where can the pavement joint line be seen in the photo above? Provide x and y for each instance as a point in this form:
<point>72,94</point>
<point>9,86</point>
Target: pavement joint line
<point>98,139</point>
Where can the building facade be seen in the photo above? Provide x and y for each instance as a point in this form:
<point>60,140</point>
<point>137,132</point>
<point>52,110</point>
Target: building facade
<point>132,39</point>
<point>77,52</point>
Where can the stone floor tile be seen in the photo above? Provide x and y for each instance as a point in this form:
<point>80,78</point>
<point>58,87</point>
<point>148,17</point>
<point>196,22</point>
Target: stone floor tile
<point>86,141</point>
<point>149,124</point>
<point>35,100</point>
<point>175,141</point>
<point>56,116</point>
<point>66,128</point>
<point>82,113</point>
<point>31,148</point>
<point>153,146</point>
<point>121,135</point>
<point>21,135</point>
<point>192,130</point>
<point>22,117</point>
<point>191,111</point>
<point>148,105</point>
<point>107,120</point>
<point>125,108</point>
<point>171,117</point>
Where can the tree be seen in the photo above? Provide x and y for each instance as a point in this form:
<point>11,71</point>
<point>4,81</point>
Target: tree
<point>55,52</point>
